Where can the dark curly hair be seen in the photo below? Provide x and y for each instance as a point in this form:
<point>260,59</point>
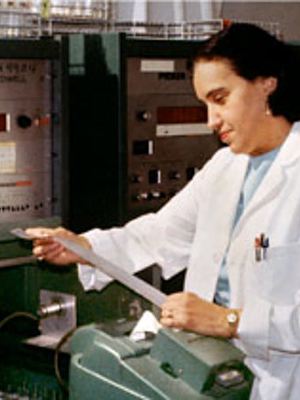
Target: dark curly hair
<point>252,53</point>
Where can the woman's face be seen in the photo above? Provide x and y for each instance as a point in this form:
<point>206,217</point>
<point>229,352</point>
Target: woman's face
<point>236,107</point>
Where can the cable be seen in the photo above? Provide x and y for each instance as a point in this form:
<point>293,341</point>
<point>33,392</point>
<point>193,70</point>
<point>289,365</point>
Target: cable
<point>59,345</point>
<point>61,342</point>
<point>17,314</point>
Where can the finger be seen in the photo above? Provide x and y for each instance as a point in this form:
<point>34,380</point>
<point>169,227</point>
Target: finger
<point>56,255</point>
<point>45,250</point>
<point>62,232</point>
<point>171,322</point>
<point>38,251</point>
<point>43,242</point>
<point>167,312</point>
<point>166,321</point>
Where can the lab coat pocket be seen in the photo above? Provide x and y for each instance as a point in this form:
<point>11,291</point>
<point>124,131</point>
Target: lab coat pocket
<point>277,276</point>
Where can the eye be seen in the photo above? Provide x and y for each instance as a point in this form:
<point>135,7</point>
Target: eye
<point>220,98</point>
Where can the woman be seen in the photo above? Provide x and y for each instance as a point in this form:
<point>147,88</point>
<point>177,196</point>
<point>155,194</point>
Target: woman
<point>236,224</point>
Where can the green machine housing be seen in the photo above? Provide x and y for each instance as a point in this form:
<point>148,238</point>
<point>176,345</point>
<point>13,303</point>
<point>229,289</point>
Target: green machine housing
<point>175,365</point>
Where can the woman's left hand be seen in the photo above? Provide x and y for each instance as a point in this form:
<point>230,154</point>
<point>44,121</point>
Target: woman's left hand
<point>189,312</point>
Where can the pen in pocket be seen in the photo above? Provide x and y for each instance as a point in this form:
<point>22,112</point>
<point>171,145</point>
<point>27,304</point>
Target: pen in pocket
<point>261,244</point>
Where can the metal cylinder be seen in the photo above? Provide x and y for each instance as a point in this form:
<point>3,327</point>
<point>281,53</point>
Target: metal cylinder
<point>51,309</point>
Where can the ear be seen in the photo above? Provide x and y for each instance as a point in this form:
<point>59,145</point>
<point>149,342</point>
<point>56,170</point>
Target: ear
<point>269,85</point>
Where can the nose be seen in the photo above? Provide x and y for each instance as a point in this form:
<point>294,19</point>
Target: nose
<point>214,120</point>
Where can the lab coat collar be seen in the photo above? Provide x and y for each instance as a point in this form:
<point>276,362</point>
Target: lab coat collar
<point>272,182</point>
<point>290,150</point>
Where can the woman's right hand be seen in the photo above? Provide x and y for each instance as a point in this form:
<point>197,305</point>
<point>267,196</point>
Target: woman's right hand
<point>46,248</point>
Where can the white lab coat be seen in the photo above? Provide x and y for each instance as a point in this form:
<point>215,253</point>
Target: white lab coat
<point>194,230</point>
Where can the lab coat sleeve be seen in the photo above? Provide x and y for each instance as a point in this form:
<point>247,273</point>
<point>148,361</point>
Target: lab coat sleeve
<point>164,238</point>
<point>153,238</point>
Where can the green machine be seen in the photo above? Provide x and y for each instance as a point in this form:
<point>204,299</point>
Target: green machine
<point>108,364</point>
<point>175,365</point>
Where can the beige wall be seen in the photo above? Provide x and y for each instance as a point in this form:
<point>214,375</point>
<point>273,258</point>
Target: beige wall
<point>286,13</point>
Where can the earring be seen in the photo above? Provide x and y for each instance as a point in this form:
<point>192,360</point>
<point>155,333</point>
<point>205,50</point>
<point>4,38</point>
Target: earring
<point>268,111</point>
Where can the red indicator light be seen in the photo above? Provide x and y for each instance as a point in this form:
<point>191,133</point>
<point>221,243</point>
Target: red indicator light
<point>23,183</point>
<point>3,122</point>
<point>42,121</point>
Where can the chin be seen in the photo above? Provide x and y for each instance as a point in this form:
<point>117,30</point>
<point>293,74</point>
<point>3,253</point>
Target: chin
<point>237,148</point>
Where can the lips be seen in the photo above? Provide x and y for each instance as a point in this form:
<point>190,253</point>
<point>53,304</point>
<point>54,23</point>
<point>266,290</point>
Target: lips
<point>224,136</point>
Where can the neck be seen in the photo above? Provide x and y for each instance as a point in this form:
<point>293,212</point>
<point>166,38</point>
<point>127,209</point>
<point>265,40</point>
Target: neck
<point>274,132</point>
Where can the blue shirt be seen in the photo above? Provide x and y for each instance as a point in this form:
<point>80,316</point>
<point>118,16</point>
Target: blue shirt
<point>257,169</point>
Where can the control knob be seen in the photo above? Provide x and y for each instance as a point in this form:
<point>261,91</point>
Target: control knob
<point>174,175</point>
<point>24,121</point>
<point>144,115</point>
<point>136,178</point>
<point>142,196</point>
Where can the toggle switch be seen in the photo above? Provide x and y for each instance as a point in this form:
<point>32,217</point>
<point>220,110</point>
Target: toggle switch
<point>154,176</point>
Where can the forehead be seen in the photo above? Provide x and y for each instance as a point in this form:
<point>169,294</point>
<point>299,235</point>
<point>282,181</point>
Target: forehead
<point>212,75</point>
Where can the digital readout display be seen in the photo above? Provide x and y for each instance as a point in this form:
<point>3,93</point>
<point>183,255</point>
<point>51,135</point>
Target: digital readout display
<point>182,115</point>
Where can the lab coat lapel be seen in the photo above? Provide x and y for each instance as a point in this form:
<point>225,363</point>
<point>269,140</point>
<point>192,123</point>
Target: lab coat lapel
<point>230,189</point>
<point>268,189</point>
<point>275,177</point>
<point>226,192</point>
